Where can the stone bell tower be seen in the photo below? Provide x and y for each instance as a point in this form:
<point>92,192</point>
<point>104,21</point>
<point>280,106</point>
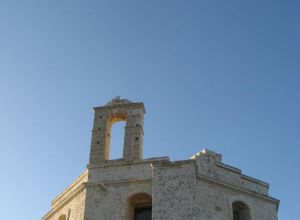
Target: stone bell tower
<point>105,116</point>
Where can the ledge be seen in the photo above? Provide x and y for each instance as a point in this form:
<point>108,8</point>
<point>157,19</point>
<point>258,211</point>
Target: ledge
<point>103,184</point>
<point>74,193</point>
<point>230,168</point>
<point>257,181</point>
<point>243,176</point>
<point>70,188</point>
<point>173,163</point>
<point>121,162</point>
<point>121,105</point>
<point>229,186</point>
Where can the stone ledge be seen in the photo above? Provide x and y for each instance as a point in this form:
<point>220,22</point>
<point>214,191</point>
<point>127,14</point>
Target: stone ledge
<point>173,163</point>
<point>232,187</point>
<point>121,162</point>
<point>228,167</point>
<point>257,181</point>
<point>70,188</point>
<point>134,104</point>
<point>115,182</point>
<point>65,200</point>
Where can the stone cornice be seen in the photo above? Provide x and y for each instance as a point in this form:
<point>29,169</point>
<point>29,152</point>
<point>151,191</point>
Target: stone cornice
<point>74,193</point>
<point>232,187</point>
<point>123,105</point>
<point>121,162</point>
<point>70,188</point>
<point>103,184</point>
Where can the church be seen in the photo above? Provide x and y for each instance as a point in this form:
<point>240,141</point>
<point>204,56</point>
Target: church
<point>134,188</point>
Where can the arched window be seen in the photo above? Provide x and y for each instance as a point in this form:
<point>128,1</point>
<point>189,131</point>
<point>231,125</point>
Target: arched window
<point>117,134</point>
<point>240,211</point>
<point>62,217</point>
<point>140,207</point>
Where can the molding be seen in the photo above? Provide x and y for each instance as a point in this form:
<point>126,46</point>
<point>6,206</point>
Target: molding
<point>174,164</point>
<point>103,184</point>
<point>122,162</point>
<point>243,176</point>
<point>121,105</point>
<point>96,183</point>
<point>234,188</point>
<point>76,191</point>
<point>70,187</point>
<point>228,167</point>
<point>249,178</point>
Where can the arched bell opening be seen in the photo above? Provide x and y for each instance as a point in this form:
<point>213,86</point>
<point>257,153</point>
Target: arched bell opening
<point>115,137</point>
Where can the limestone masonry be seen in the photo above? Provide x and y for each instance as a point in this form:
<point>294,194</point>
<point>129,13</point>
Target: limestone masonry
<point>133,188</point>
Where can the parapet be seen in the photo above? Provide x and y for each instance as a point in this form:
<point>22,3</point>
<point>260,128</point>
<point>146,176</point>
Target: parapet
<point>209,165</point>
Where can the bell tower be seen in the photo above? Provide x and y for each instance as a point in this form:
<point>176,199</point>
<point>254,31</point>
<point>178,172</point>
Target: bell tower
<point>105,116</point>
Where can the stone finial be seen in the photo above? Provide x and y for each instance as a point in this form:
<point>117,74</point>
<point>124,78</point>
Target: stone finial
<point>117,101</point>
<point>209,153</point>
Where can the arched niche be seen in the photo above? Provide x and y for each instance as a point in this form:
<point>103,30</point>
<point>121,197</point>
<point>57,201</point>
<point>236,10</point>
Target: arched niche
<point>139,207</point>
<point>240,211</point>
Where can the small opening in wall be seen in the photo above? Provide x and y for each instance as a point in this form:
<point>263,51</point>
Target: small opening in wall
<point>117,135</point>
<point>140,207</point>
<point>240,211</point>
<point>143,213</point>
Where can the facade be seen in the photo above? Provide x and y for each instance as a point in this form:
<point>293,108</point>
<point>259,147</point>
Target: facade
<point>133,188</point>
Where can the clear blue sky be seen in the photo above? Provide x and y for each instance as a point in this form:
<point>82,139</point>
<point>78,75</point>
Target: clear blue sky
<point>222,75</point>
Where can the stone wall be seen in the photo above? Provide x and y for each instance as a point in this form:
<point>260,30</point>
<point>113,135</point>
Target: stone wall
<point>201,188</point>
<point>70,202</point>
<point>174,191</point>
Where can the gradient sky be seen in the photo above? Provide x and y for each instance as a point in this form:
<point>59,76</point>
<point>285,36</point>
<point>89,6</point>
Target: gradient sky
<point>222,75</point>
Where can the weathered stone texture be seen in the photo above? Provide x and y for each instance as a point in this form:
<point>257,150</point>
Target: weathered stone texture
<point>174,191</point>
<point>71,202</point>
<point>110,202</point>
<point>201,188</point>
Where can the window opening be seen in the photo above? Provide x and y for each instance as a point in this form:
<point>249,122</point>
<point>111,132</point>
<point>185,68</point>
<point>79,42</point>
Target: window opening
<point>140,207</point>
<point>240,211</point>
<point>143,213</point>
<point>117,135</point>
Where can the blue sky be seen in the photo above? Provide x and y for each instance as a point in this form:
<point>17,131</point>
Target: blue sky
<point>222,75</point>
